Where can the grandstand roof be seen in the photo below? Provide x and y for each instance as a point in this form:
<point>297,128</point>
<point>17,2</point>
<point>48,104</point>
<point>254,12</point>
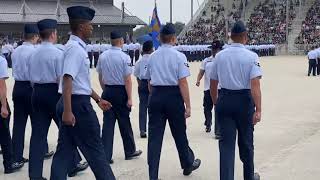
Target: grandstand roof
<point>29,11</point>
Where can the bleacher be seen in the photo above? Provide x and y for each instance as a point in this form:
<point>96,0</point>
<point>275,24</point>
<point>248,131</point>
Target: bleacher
<point>211,22</point>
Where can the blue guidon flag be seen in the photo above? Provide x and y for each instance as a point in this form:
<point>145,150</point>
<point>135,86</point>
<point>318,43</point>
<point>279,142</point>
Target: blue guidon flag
<point>155,26</point>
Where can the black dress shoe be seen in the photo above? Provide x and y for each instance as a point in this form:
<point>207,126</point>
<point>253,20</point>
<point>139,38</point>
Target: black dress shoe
<point>111,161</point>
<point>134,155</point>
<point>256,176</point>
<point>14,167</point>
<point>143,134</point>
<point>38,178</point>
<point>208,129</point>
<point>24,160</point>
<point>48,155</point>
<point>196,164</point>
<point>80,167</point>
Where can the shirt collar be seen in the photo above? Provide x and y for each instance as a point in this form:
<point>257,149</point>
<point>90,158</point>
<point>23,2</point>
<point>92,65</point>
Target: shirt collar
<point>115,48</point>
<point>146,55</point>
<point>166,45</point>
<point>27,43</point>
<point>80,41</point>
<point>237,45</point>
<point>46,43</point>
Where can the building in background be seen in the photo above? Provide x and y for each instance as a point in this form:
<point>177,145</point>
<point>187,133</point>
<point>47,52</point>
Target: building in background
<point>15,13</point>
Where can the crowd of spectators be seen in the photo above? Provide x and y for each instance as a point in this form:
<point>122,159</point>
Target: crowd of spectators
<point>212,23</point>
<point>310,31</point>
<point>268,22</point>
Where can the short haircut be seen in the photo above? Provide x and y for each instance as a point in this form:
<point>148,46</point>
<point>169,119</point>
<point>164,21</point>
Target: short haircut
<point>75,24</point>
<point>46,33</point>
<point>29,36</point>
<point>147,46</point>
<point>166,38</point>
<point>115,42</point>
<point>239,36</point>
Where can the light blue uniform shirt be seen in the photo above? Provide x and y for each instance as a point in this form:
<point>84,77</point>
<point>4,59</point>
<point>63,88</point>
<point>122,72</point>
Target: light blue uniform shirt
<point>76,64</point>
<point>141,66</point>
<point>21,61</point>
<point>3,68</point>
<point>235,66</point>
<point>114,65</point>
<point>167,66</point>
<point>46,64</point>
<point>204,66</point>
<point>60,47</point>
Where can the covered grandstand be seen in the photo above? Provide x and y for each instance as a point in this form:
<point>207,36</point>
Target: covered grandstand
<point>292,25</point>
<point>15,13</point>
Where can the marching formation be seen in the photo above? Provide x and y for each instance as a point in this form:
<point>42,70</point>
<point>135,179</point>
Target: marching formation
<point>52,82</point>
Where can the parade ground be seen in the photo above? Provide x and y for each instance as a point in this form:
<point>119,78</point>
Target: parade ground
<point>286,141</point>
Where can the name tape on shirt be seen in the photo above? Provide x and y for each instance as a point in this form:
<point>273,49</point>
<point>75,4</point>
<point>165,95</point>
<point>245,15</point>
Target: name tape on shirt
<point>187,65</point>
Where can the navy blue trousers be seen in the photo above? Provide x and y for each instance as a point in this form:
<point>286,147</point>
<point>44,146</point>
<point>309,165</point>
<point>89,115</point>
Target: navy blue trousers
<point>235,111</point>
<point>207,108</point>
<point>85,135</point>
<point>5,141</point>
<point>22,109</point>
<point>160,110</point>
<point>143,92</point>
<point>44,101</point>
<point>117,96</point>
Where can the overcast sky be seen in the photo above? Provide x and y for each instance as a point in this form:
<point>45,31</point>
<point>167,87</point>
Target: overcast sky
<point>143,9</point>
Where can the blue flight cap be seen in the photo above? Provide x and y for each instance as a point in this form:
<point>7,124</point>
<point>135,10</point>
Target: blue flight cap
<point>238,28</point>
<point>115,35</point>
<point>31,29</point>
<point>168,29</point>
<point>80,13</point>
<point>47,24</point>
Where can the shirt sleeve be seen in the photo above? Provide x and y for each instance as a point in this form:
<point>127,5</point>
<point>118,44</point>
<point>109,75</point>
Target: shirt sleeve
<point>59,64</point>
<point>255,69</point>
<point>72,62</point>
<point>203,63</point>
<point>214,70</point>
<point>137,69</point>
<point>147,73</point>
<point>183,67</point>
<point>3,69</point>
<point>127,66</point>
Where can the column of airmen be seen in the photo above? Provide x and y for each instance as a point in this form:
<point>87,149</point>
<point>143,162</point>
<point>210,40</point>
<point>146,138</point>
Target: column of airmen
<point>95,50</point>
<point>200,52</point>
<point>61,91</point>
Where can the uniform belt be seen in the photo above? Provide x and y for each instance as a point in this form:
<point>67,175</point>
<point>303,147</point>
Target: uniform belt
<point>45,85</point>
<point>23,82</point>
<point>164,87</point>
<point>114,86</point>
<point>241,91</point>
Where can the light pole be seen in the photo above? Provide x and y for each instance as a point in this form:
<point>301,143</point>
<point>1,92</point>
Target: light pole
<point>287,25</point>
<point>170,11</point>
<point>191,10</point>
